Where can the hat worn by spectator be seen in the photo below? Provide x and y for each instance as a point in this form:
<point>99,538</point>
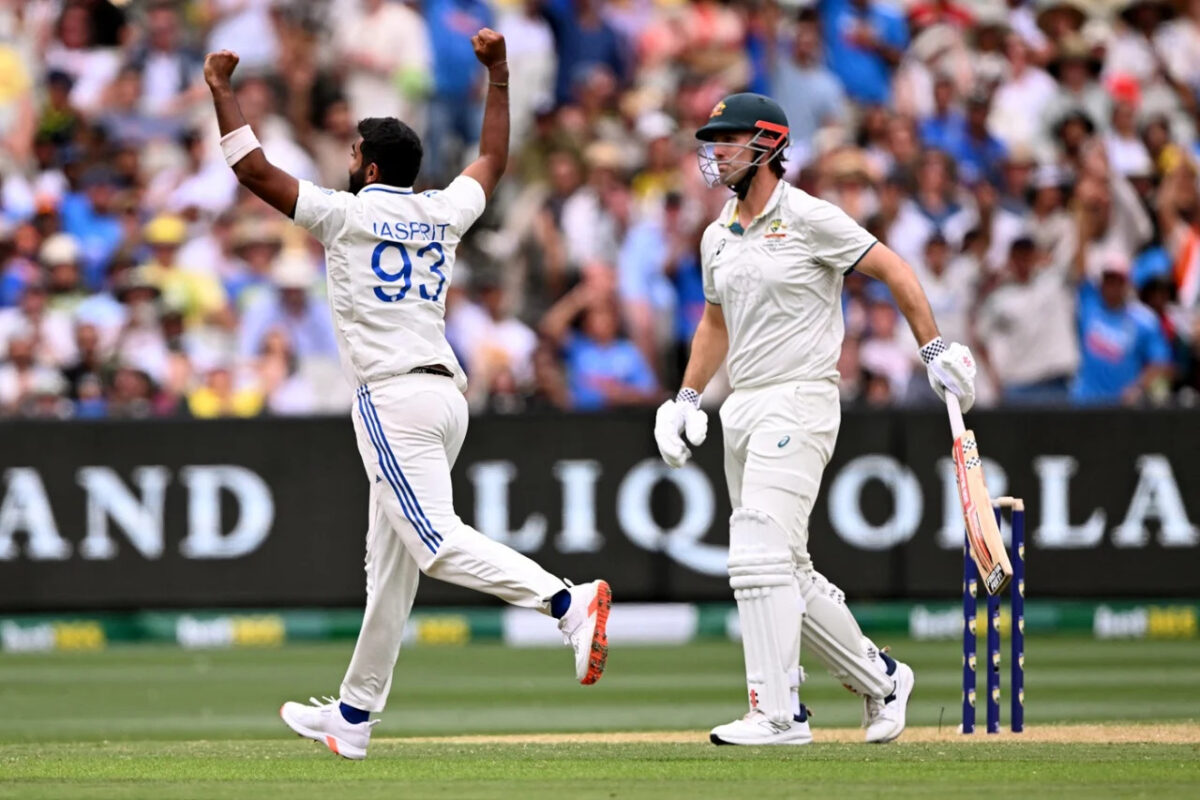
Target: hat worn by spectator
<point>1116,264</point>
<point>1076,12</point>
<point>293,270</point>
<point>59,249</point>
<point>250,232</point>
<point>1073,49</point>
<point>165,230</point>
<point>134,279</point>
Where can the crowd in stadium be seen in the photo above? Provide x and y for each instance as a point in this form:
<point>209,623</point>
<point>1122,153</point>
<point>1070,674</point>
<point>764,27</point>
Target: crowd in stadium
<point>1035,162</point>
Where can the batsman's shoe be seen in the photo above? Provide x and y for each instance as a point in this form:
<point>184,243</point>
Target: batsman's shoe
<point>323,722</point>
<point>585,628</point>
<point>884,719</point>
<point>755,728</point>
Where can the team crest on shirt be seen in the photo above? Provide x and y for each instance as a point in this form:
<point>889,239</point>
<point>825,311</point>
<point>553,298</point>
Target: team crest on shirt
<point>776,234</point>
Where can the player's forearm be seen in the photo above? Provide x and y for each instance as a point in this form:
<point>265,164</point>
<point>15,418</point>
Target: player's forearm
<point>709,346</point>
<point>493,139</point>
<point>229,119</point>
<point>229,113</point>
<point>883,264</point>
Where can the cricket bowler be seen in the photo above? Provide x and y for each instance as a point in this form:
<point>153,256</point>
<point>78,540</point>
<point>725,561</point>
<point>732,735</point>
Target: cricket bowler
<point>389,259</point>
<point>773,265</point>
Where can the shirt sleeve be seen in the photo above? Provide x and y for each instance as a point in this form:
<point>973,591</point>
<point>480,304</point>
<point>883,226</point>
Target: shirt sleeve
<point>322,212</point>
<point>467,201</point>
<point>837,241</point>
<point>706,271</point>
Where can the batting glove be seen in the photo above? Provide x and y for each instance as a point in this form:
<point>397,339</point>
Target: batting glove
<point>675,418</point>
<point>951,368</point>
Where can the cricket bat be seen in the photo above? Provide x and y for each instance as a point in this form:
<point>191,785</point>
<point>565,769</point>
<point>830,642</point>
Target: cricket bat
<point>983,535</point>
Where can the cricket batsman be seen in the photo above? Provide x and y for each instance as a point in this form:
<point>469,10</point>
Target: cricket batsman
<point>389,258</point>
<point>773,265</point>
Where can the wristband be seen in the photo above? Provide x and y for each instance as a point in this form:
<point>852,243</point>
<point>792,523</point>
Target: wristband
<point>689,396</point>
<point>933,349</point>
<point>238,144</point>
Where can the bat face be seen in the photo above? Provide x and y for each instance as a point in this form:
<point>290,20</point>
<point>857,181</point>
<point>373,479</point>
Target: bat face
<point>983,536</point>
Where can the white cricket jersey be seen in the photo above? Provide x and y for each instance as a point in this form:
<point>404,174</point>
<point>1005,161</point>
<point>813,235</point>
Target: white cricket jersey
<point>779,284</point>
<point>389,256</point>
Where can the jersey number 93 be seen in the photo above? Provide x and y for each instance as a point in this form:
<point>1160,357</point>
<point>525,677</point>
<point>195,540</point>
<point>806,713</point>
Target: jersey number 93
<point>429,252</point>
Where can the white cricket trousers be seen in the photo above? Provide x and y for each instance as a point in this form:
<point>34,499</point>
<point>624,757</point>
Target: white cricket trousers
<point>778,439</point>
<point>410,429</point>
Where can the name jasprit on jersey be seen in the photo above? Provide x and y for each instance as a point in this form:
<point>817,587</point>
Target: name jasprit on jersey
<point>412,230</point>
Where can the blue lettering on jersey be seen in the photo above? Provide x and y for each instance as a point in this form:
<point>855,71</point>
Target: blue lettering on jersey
<point>411,230</point>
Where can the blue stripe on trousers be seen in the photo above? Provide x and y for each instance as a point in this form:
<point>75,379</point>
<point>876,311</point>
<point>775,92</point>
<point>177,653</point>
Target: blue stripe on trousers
<point>385,467</point>
<point>412,495</point>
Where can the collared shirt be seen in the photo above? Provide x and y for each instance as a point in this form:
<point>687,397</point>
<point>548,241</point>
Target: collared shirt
<point>1117,344</point>
<point>779,283</point>
<point>389,256</point>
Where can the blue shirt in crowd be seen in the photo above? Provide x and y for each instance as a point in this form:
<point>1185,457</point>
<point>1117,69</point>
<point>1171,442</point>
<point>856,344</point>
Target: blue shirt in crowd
<point>864,73</point>
<point>99,235</point>
<point>452,23</point>
<point>581,47</point>
<point>1116,345</point>
<point>590,365</point>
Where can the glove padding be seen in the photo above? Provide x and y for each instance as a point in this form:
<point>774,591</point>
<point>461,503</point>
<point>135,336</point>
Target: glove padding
<point>674,418</point>
<point>954,369</point>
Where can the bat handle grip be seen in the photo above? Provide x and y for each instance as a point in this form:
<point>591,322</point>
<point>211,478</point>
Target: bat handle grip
<point>956,419</point>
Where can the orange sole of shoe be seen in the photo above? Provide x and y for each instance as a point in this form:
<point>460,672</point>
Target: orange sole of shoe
<point>599,655</point>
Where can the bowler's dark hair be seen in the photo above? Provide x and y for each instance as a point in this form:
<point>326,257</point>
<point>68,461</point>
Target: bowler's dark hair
<point>393,147</point>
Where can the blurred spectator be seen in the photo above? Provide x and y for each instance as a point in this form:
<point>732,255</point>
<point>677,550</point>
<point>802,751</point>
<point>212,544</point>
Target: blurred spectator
<point>23,377</point>
<point>197,294</point>
<point>291,310</point>
<point>171,69</point>
<point>124,119</point>
<point>1065,122</point>
<point>49,330</point>
<point>531,54</point>
<point>202,183</point>
<point>221,396</point>
<point>382,78</point>
<point>809,92</point>
<point>604,369</point>
<point>1076,68</point>
<point>246,28</point>
<point>978,153</point>
<point>455,110</point>
<point>886,351</point>
<point>75,52</point>
<point>583,39</point>
<point>1025,330</point>
<point>864,42</point>
<point>1125,357</point>
<point>89,215</point>
<point>951,285</point>
<point>140,344</point>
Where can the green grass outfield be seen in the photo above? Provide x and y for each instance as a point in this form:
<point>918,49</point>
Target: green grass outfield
<point>159,722</point>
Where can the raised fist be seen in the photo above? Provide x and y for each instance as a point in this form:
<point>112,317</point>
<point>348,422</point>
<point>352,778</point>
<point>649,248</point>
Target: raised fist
<point>218,67</point>
<point>489,47</point>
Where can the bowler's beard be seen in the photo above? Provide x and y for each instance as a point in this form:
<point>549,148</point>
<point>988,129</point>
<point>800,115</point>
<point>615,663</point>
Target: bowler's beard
<point>358,180</point>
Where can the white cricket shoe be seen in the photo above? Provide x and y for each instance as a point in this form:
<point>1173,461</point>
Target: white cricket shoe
<point>324,723</point>
<point>585,628</point>
<point>755,728</point>
<point>884,721</point>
